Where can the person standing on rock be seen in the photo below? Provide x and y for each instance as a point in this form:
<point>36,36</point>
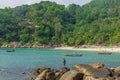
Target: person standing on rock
<point>64,62</point>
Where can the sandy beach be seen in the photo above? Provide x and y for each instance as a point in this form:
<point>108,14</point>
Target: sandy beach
<point>107,49</point>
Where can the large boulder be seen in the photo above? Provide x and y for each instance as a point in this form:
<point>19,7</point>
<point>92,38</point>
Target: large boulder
<point>97,65</point>
<point>72,75</point>
<point>64,69</point>
<point>117,69</point>
<point>41,76</point>
<point>30,78</point>
<point>46,75</point>
<point>95,78</point>
<point>116,73</point>
<point>41,69</point>
<point>58,75</point>
<point>50,75</point>
<point>118,78</point>
<point>90,71</point>
<point>38,70</point>
<point>35,72</point>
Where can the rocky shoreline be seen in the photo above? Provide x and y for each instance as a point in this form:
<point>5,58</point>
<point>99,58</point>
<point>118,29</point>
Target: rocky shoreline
<point>96,71</point>
<point>26,45</point>
<point>95,48</point>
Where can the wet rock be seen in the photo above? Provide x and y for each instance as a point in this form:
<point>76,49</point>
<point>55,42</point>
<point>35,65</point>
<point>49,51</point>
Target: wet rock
<point>35,72</point>
<point>23,73</point>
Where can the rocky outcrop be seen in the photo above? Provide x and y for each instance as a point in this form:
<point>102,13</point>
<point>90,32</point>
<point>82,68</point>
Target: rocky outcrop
<point>95,71</point>
<point>35,72</point>
<point>97,65</point>
<point>46,75</point>
<point>116,73</point>
<point>72,75</point>
<point>117,69</point>
<point>64,70</point>
<point>91,71</point>
<point>30,79</point>
<point>24,45</point>
<point>95,78</point>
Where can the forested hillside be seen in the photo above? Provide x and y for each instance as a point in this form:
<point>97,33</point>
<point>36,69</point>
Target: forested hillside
<point>96,23</point>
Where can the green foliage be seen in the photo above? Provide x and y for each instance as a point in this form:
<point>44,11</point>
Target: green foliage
<point>43,40</point>
<point>96,23</point>
<point>26,38</point>
<point>10,37</point>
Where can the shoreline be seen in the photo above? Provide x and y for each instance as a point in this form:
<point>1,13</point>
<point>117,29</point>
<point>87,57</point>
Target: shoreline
<point>96,49</point>
<point>114,49</point>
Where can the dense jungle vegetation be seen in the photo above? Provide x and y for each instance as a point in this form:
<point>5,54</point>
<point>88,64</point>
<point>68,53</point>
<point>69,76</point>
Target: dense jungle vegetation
<point>95,23</point>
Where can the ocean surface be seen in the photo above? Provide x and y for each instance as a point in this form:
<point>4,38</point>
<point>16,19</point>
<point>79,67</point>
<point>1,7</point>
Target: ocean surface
<point>17,65</point>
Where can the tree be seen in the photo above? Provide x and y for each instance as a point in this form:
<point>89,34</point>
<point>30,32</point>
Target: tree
<point>26,38</point>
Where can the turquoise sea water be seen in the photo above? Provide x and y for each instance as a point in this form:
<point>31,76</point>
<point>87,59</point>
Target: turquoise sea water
<point>13,64</point>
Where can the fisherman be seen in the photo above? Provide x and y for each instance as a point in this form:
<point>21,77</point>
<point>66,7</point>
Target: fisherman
<point>64,61</point>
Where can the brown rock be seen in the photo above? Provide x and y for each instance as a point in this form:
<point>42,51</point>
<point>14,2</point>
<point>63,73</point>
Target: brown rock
<point>29,79</point>
<point>41,69</point>
<point>97,65</point>
<point>118,78</point>
<point>42,75</point>
<point>95,78</point>
<point>90,71</point>
<point>58,75</point>
<point>117,69</point>
<point>35,72</point>
<point>72,75</point>
<point>64,69</point>
<point>50,75</point>
<point>46,75</point>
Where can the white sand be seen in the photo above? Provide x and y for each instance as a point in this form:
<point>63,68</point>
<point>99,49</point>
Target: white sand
<point>108,49</point>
